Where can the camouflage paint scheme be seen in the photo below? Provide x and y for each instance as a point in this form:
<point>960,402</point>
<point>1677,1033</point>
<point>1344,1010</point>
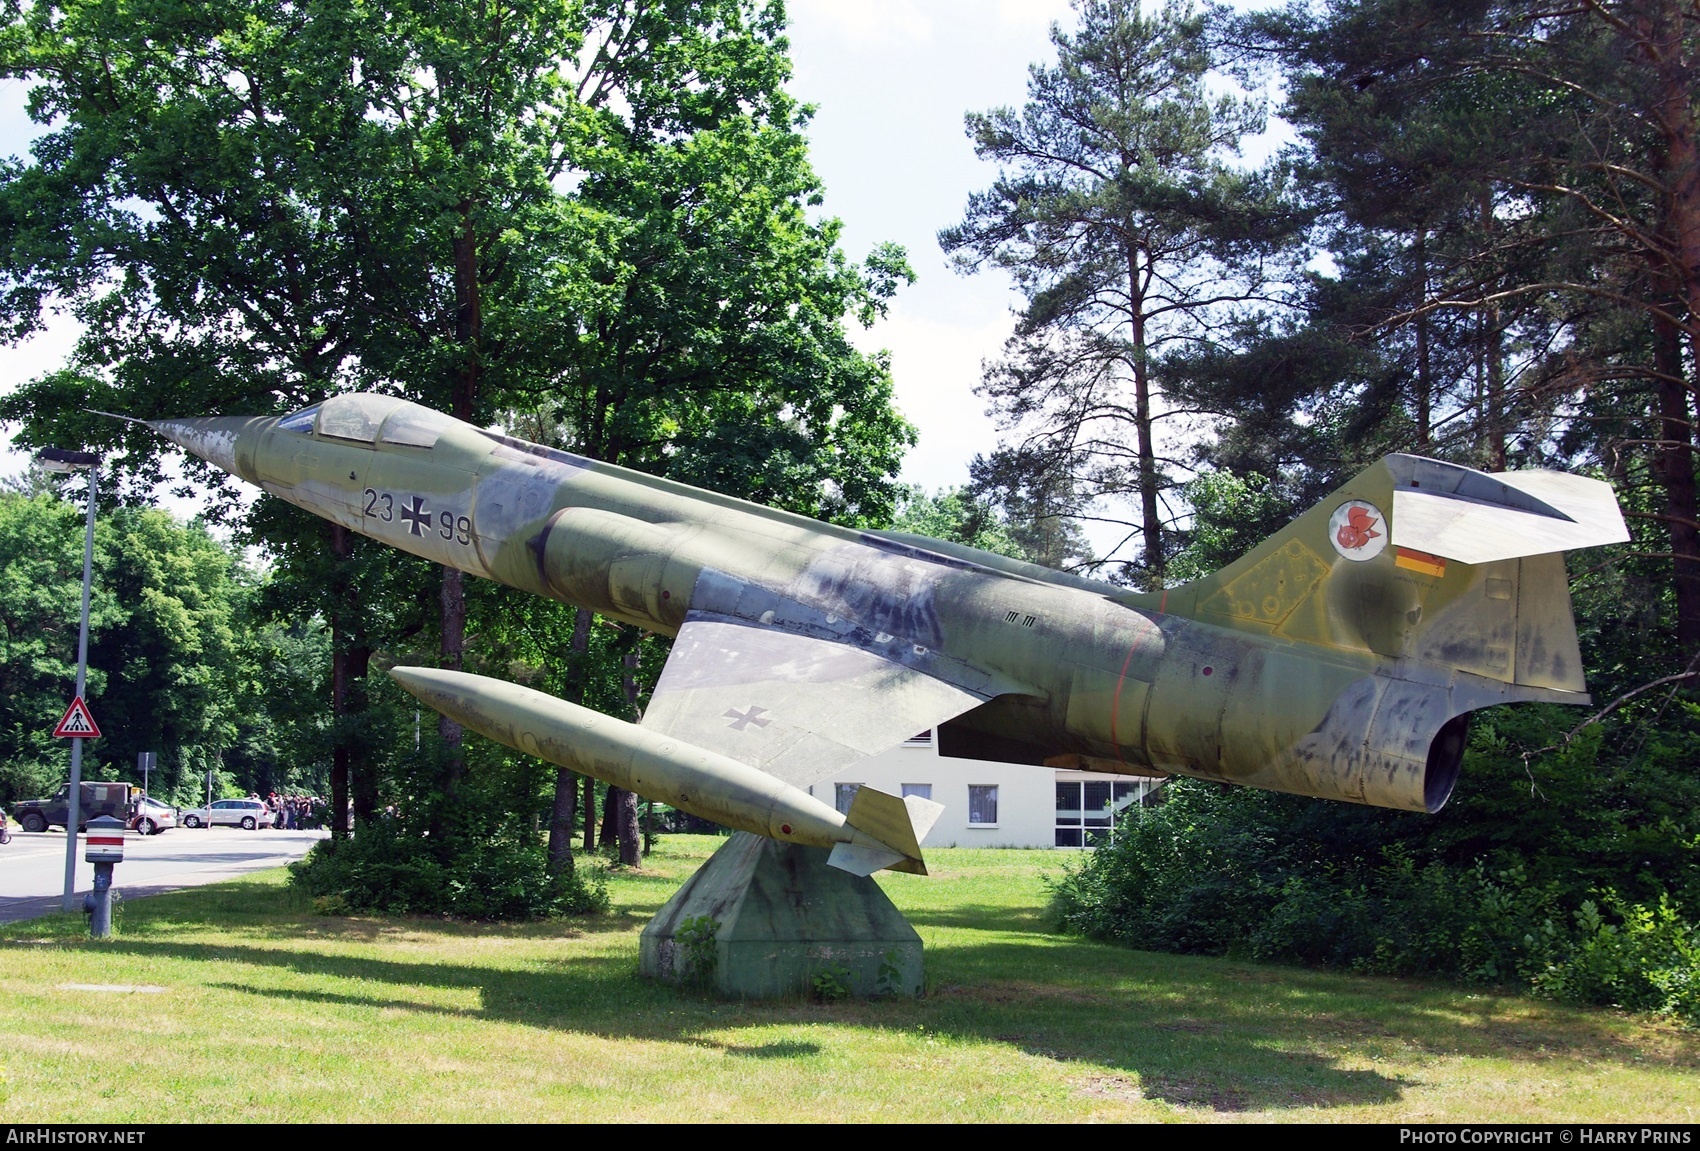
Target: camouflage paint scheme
<point>1339,659</point>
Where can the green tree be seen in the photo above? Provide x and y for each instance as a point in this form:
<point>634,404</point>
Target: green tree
<point>171,668</point>
<point>1526,181</point>
<point>1507,189</point>
<point>1231,514</point>
<point>372,602</point>
<point>955,515</point>
<point>595,213</point>
<point>1035,493</point>
<point>703,338</point>
<point>1130,237</point>
<point>282,739</point>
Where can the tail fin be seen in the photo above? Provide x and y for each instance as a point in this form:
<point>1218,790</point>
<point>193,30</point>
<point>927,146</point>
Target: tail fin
<point>1423,560</point>
<point>895,827</point>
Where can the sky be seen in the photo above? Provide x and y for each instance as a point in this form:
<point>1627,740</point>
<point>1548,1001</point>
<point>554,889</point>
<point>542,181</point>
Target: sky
<point>891,81</point>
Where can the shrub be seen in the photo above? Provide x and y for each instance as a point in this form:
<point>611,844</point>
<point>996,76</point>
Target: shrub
<point>1279,879</point>
<point>388,870</point>
<point>1648,959</point>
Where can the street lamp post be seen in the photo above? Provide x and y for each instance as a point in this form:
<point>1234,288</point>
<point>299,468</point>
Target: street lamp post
<point>59,460</point>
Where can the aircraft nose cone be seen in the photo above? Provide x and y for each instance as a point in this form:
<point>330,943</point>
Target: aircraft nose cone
<point>212,438</point>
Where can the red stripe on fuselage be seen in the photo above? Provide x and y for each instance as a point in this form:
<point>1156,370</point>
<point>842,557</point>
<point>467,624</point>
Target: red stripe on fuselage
<point>1116,701</point>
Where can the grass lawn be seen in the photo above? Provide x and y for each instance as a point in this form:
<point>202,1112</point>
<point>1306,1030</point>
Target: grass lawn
<point>265,1011</point>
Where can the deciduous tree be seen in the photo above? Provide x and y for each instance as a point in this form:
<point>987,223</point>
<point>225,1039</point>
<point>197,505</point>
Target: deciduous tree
<point>174,665</point>
<point>596,214</point>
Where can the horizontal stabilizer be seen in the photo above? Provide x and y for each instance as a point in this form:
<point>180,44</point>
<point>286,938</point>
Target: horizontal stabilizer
<point>1475,518</point>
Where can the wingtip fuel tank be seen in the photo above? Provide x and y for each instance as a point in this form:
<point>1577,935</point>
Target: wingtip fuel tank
<point>664,768</point>
<point>1341,658</point>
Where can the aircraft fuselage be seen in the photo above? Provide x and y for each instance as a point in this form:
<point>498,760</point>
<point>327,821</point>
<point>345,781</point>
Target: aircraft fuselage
<point>1236,688</point>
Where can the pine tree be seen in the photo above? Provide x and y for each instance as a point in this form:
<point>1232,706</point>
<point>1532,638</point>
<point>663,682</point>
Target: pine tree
<point>1130,237</point>
<point>1518,193</point>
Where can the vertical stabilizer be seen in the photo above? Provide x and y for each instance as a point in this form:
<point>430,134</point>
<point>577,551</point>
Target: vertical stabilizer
<point>1415,559</point>
<point>1370,628</point>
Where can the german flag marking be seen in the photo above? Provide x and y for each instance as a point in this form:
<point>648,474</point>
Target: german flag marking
<point>1416,561</point>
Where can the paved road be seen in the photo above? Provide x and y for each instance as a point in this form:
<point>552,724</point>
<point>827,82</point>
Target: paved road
<point>32,867</point>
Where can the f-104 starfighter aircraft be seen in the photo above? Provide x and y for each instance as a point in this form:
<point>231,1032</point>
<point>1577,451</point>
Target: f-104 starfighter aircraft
<point>1339,659</point>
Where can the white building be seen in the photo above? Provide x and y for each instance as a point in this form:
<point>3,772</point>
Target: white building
<point>993,804</point>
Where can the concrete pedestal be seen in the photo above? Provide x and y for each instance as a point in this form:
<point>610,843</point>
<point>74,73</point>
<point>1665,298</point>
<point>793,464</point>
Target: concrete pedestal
<point>763,919</point>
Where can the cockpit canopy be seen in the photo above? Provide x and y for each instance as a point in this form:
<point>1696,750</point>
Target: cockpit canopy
<point>365,418</point>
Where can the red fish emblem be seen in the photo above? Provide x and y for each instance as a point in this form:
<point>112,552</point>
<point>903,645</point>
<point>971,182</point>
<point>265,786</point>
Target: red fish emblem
<point>1358,529</point>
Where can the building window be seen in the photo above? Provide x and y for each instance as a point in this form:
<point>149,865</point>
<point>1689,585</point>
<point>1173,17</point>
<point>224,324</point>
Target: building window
<point>846,796</point>
<point>982,805</point>
<point>1087,809</point>
<point>920,790</point>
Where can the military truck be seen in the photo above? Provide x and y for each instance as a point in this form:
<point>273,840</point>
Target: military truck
<point>114,799</point>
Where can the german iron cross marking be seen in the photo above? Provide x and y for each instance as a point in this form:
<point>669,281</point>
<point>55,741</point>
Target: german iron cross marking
<point>742,719</point>
<point>416,516</point>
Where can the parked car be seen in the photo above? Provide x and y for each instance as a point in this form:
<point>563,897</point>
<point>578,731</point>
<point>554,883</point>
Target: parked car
<point>112,799</point>
<point>152,816</point>
<point>244,813</point>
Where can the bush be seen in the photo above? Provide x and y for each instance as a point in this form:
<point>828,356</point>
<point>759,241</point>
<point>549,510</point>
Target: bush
<point>1649,959</point>
<point>1275,878</point>
<point>388,870</point>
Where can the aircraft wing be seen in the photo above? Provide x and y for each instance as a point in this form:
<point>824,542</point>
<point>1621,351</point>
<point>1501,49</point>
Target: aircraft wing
<point>800,694</point>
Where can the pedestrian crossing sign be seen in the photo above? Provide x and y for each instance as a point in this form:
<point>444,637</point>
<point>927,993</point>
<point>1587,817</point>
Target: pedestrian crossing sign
<point>77,723</point>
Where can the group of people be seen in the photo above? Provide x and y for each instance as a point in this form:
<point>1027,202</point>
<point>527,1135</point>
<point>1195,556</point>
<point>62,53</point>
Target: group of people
<point>292,812</point>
